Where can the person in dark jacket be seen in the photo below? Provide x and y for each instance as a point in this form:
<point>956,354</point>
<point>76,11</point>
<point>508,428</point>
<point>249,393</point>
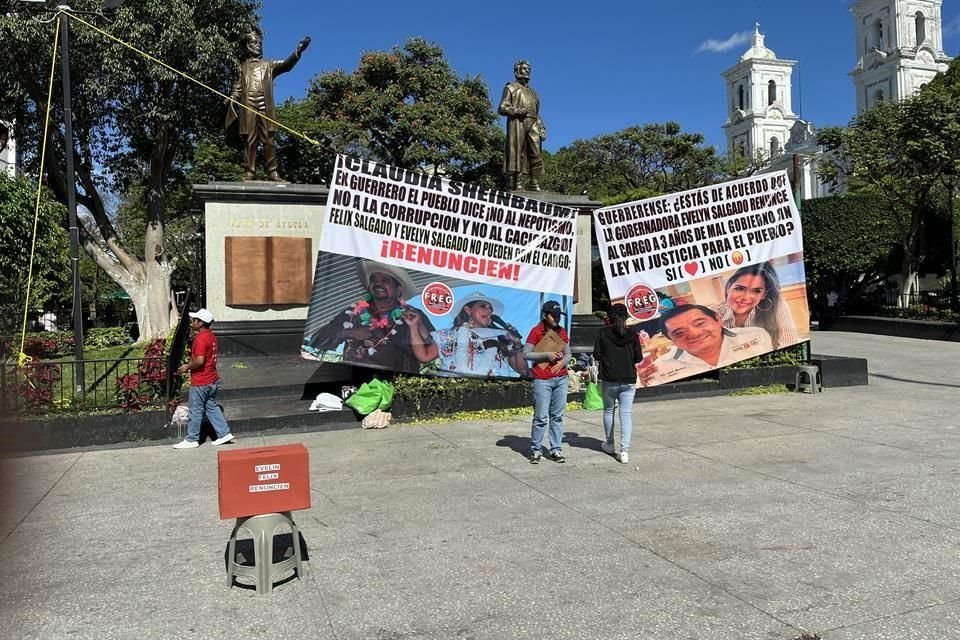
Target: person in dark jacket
<point>617,352</point>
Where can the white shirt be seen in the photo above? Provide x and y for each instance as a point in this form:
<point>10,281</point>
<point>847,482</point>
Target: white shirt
<point>738,344</point>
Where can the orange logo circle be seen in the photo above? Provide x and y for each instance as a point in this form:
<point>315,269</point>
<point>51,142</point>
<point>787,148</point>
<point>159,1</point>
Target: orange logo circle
<point>642,302</point>
<point>437,299</point>
<point>737,257</point>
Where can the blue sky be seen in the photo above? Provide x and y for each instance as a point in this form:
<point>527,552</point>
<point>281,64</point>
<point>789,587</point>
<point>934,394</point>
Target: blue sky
<point>600,65</point>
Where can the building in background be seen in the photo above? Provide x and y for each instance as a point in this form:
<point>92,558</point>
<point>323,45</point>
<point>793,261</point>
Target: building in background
<point>9,161</point>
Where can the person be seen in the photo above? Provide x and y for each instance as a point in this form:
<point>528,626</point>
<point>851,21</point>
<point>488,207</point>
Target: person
<point>525,130</point>
<point>204,383</point>
<point>380,330</point>
<point>617,352</point>
<point>700,343</point>
<point>752,299</point>
<point>549,347</point>
<point>480,342</point>
<point>49,321</point>
<point>253,89</point>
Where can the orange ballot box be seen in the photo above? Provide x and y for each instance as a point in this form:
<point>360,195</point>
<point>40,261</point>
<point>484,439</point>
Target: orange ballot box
<point>263,480</point>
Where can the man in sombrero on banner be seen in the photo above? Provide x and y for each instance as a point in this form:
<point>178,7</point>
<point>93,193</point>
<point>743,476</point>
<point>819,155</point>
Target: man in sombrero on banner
<point>381,329</point>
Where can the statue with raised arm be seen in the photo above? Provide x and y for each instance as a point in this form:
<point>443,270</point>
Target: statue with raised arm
<point>253,88</point>
<point>525,130</point>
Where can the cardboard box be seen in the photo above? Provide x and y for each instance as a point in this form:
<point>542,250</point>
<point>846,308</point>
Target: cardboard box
<point>261,480</point>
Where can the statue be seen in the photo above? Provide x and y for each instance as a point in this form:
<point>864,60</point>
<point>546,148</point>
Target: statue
<point>525,130</point>
<point>254,89</point>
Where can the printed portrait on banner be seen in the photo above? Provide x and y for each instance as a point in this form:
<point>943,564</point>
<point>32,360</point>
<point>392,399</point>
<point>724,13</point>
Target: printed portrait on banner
<point>709,276</point>
<point>421,274</point>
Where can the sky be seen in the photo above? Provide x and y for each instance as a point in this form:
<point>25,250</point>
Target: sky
<point>598,65</point>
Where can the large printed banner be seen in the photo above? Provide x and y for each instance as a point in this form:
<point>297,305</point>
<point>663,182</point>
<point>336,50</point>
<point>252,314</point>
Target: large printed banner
<point>709,276</point>
<point>421,274</point>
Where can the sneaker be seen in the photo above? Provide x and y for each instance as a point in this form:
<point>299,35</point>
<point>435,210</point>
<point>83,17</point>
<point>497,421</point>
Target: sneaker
<point>535,457</point>
<point>187,444</point>
<point>556,456</point>
<point>224,440</point>
<point>608,448</point>
<point>624,457</point>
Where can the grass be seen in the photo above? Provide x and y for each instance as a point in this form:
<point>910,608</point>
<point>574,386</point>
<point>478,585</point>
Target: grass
<point>762,391</point>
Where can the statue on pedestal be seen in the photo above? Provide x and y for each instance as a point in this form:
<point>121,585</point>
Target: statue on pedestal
<point>525,130</point>
<point>253,88</point>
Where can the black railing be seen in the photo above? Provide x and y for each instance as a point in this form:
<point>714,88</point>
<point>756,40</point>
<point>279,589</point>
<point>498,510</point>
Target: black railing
<point>51,385</point>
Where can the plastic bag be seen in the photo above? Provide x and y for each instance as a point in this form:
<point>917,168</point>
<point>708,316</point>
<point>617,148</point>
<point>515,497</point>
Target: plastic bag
<point>371,396</point>
<point>592,400</point>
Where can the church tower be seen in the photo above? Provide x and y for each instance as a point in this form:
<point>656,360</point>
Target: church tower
<point>899,48</point>
<point>759,104</point>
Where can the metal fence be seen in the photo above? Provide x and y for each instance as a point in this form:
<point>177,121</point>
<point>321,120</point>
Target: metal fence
<point>52,385</point>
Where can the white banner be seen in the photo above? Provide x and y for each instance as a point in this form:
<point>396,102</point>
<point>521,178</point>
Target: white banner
<point>432,224</point>
<point>684,236</point>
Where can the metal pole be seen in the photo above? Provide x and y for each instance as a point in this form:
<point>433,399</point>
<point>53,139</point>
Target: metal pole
<point>954,306</point>
<point>78,370</point>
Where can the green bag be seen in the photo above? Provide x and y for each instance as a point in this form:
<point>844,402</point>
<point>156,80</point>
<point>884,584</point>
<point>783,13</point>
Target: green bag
<point>371,396</point>
<point>592,400</point>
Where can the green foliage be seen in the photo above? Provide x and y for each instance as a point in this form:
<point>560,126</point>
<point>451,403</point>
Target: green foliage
<point>655,158</point>
<point>428,395</point>
<point>919,313</point>
<point>51,261</point>
<point>848,242</point>
<point>135,123</point>
<point>790,356</point>
<point>301,161</point>
<point>761,390</point>
<point>408,108</point>
<point>105,337</point>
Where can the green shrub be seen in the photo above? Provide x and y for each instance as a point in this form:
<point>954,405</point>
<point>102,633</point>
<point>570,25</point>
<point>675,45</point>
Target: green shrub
<point>104,337</point>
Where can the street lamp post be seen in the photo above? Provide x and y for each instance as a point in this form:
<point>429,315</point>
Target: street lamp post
<point>954,304</point>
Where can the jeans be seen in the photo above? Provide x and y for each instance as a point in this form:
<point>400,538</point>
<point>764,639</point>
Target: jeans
<point>623,393</point>
<point>549,403</point>
<point>204,400</point>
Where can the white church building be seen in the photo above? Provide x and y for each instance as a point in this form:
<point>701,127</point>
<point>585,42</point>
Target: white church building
<point>899,46</point>
<point>8,151</point>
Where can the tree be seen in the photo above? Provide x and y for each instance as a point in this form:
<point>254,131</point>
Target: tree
<point>906,153</point>
<point>847,247</point>
<point>658,157</point>
<point>135,123</point>
<point>51,260</point>
<point>408,108</point>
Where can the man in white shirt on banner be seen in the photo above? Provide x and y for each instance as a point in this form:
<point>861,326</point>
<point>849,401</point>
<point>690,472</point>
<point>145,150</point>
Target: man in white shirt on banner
<point>701,343</point>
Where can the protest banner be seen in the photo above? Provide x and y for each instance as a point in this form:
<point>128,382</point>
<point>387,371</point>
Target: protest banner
<point>422,274</point>
<point>709,276</point>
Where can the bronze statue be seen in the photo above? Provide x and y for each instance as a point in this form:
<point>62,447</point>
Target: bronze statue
<point>525,130</point>
<point>254,89</point>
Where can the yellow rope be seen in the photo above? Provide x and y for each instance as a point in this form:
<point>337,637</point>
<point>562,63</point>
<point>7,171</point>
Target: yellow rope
<point>23,358</point>
<point>191,79</point>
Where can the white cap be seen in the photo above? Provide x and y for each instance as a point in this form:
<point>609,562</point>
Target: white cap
<point>203,315</point>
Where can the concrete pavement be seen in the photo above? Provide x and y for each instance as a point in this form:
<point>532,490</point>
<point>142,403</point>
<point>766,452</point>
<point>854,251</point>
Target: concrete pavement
<point>737,517</point>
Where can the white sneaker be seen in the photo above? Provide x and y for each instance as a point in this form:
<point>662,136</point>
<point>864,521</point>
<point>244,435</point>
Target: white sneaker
<point>186,444</point>
<point>624,457</point>
<point>608,448</point>
<point>225,439</point>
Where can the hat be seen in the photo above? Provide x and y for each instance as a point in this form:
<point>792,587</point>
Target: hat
<point>476,296</point>
<point>366,268</point>
<point>618,311</point>
<point>203,315</point>
<point>553,308</point>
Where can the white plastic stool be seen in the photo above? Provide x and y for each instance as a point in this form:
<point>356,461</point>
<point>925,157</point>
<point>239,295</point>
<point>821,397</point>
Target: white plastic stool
<point>808,377</point>
<point>262,528</point>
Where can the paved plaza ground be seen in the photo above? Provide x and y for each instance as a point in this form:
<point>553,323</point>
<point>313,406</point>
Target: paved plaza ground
<point>737,517</point>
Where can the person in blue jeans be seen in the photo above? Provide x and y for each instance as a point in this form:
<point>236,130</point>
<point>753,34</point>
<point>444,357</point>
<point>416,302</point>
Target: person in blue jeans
<point>204,383</point>
<point>617,352</point>
<point>548,349</point>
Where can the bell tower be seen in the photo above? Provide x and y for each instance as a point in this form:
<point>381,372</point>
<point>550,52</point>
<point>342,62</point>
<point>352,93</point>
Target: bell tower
<point>759,101</point>
<point>899,48</point>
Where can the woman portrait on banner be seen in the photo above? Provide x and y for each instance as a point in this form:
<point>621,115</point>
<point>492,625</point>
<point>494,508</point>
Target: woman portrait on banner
<point>480,342</point>
<point>752,299</point>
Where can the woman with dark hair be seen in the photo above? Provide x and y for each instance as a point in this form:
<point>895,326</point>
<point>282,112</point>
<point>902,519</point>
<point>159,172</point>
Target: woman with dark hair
<point>480,342</point>
<point>752,299</point>
<point>617,352</point>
